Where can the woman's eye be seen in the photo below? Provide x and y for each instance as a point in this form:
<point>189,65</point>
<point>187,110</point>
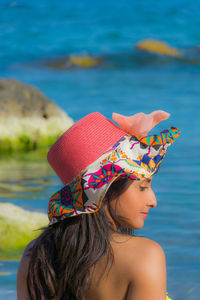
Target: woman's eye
<point>142,188</point>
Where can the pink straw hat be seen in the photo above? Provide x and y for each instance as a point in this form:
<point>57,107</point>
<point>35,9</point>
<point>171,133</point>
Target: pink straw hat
<point>82,144</point>
<point>94,152</point>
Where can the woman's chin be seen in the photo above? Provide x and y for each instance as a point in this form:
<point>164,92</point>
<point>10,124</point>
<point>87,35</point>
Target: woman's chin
<point>139,226</point>
<point>136,225</point>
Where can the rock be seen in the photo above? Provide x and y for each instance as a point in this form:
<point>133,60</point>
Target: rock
<point>157,47</point>
<point>17,228</point>
<point>28,120</point>
<point>21,100</point>
<point>75,61</point>
<point>86,61</point>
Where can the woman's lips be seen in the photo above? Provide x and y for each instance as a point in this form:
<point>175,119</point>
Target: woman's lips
<point>144,215</point>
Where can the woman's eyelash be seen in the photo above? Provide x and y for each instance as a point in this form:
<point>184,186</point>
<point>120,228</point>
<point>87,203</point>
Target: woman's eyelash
<point>142,188</point>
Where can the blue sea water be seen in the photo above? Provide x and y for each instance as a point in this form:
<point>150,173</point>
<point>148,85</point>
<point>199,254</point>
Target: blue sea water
<point>32,32</point>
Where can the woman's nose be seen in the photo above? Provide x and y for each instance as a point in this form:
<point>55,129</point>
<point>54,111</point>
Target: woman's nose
<point>152,199</point>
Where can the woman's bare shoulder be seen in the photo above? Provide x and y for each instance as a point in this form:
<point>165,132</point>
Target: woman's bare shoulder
<point>144,261</point>
<point>26,255</point>
<point>132,243</point>
<point>22,292</point>
<point>143,250</point>
<point>134,252</point>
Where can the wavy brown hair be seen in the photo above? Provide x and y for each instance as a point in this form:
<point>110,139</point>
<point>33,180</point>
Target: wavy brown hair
<point>63,258</point>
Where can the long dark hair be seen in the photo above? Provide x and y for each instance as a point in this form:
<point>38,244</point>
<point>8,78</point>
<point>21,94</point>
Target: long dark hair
<point>63,258</point>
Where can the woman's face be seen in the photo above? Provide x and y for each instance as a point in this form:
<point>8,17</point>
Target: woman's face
<point>132,206</point>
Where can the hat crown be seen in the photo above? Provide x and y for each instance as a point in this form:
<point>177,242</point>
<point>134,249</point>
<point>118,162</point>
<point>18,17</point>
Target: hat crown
<point>83,143</point>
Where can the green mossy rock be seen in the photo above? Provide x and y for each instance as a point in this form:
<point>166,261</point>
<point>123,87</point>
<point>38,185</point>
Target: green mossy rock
<point>17,228</point>
<point>28,119</point>
<point>23,135</point>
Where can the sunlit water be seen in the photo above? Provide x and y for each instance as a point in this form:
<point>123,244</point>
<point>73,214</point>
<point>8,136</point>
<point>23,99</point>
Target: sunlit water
<point>35,31</point>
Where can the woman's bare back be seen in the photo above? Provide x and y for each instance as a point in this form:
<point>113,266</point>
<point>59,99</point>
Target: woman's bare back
<point>138,272</point>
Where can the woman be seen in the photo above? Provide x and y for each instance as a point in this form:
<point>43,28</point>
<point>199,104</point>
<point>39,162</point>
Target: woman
<point>88,251</point>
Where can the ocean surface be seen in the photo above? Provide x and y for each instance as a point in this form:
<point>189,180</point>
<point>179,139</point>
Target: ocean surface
<point>129,81</point>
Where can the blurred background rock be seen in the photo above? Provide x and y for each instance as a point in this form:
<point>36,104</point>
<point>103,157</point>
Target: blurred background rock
<point>28,119</point>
